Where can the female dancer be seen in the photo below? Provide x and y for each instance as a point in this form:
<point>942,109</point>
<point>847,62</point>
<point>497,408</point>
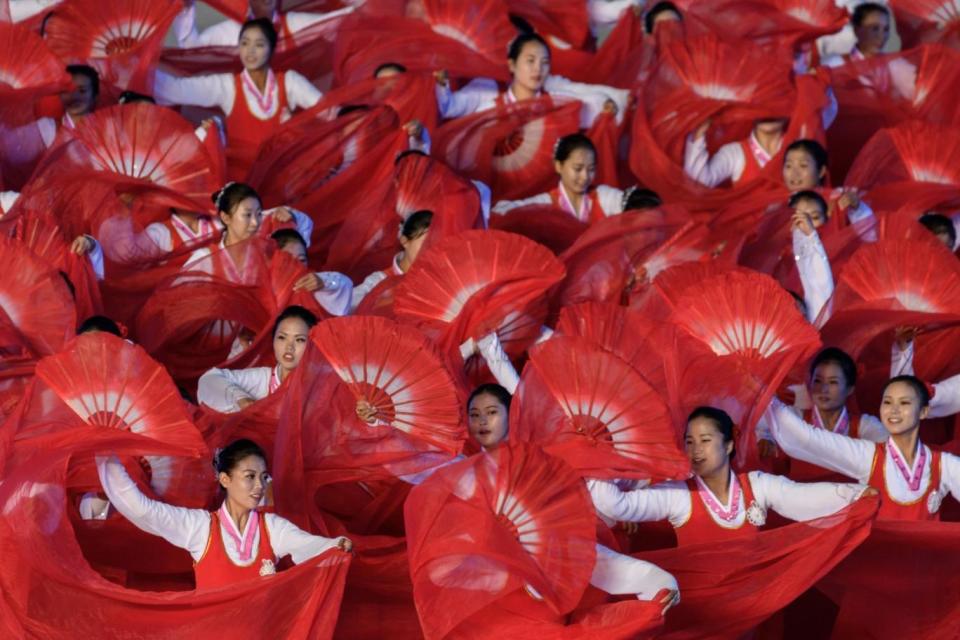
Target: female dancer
<point>236,542</point>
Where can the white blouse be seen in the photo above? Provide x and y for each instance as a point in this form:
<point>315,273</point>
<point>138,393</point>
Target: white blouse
<point>227,32</point>
<point>482,93</point>
<point>160,234</point>
<point>620,574</point>
<point>190,528</point>
<point>610,198</point>
<point>219,90</point>
<point>222,389</point>
<point>816,276</point>
<point>671,501</point>
<point>853,457</point>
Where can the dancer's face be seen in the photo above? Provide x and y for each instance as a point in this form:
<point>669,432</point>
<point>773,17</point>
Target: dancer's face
<point>577,171</point>
<point>532,66</point>
<point>289,342</point>
<point>246,483</point>
<point>900,410</point>
<point>828,387</point>
<point>873,32</point>
<point>244,221</point>
<point>254,49</point>
<point>489,420</point>
<point>800,171</point>
<point>706,449</point>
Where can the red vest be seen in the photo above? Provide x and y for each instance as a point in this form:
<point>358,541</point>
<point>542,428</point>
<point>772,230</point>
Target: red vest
<point>216,569</point>
<point>245,131</point>
<point>802,471</point>
<point>890,509</point>
<point>596,213</point>
<point>751,168</point>
<point>701,527</point>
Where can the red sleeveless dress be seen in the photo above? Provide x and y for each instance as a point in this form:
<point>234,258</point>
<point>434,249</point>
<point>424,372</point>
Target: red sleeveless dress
<point>890,509</point>
<point>751,168</point>
<point>216,569</point>
<point>701,527</point>
<point>245,131</point>
<point>595,214</point>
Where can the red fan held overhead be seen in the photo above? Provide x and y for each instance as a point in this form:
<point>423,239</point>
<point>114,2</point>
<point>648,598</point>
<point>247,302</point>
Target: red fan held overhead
<point>393,369</point>
<point>480,25</point>
<point>509,147</point>
<point>467,285</point>
<point>497,524</point>
<point>36,309</point>
<point>110,383</point>
<point>747,335</point>
<point>592,409</point>
<point>148,143</point>
<point>28,71</point>
<point>121,39</point>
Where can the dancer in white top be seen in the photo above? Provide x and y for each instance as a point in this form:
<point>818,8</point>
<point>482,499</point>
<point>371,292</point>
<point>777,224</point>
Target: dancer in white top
<point>529,60</point>
<point>232,390</point>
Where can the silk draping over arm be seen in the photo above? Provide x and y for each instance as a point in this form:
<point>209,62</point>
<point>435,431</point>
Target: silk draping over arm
<point>222,389</point>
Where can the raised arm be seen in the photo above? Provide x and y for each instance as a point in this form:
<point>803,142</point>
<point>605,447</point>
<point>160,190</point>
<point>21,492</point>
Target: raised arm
<point>816,277</point>
<point>288,539</point>
<point>849,456</point>
<point>726,164</point>
<point>215,90</point>
<point>185,528</point>
<point>799,501</point>
<point>666,501</point>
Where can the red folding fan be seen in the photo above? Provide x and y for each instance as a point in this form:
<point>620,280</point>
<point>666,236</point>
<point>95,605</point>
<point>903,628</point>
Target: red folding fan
<point>626,333</point>
<point>909,152</point>
<point>110,383</point>
<point>28,71</point>
<point>148,143</point>
<point>482,26</point>
<point>494,525</point>
<point>394,369</point>
<point>589,407</point>
<point>509,147</point>
<point>739,335</point>
<point>122,39</point>
<point>35,304</point>
<point>466,285</point>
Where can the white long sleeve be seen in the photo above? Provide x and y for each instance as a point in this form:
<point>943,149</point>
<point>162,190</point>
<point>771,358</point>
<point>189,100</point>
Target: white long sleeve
<point>727,163</point>
<point>498,362</point>
<point>301,94</point>
<point>337,293</point>
<point>503,207</point>
<point>7,200</point>
<point>604,14</point>
<point>222,389</point>
<point>20,10</point>
<point>620,574</point>
<point>665,501</point>
<point>901,360</point>
<point>477,95</point>
<point>190,528</point>
<point>222,34</point>
<point>184,528</point>
<point>872,429</point>
<point>815,273</point>
<point>593,97</point>
<point>369,284</point>
<point>214,90</point>
<point>302,221</point>
<point>848,456</point>
<point>802,501</point>
<point>946,397</point>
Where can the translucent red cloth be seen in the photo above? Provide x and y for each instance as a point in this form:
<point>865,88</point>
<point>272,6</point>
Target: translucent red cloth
<point>730,587</point>
<point>488,526</point>
<point>587,406</point>
<point>509,147</point>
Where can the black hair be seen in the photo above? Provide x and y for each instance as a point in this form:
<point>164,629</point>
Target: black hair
<point>406,153</point>
<point>99,323</point>
<point>570,143</point>
<point>231,455</point>
<point>808,194</point>
<point>918,385</point>
<point>523,39</point>
<point>232,194</point>
<point>497,391</point>
<point>813,148</point>
<point>67,281</point>
<point>839,357</point>
<point>266,26</point>
<point>283,237</point>
<point>130,97</point>
<point>862,11</point>
<point>656,10</point>
<point>350,108</point>
<point>416,224</point>
<point>718,417</point>
<point>938,223</point>
<point>88,72</point>
<point>295,311</point>
<point>43,23</point>
<point>399,68</point>
<point>638,199</point>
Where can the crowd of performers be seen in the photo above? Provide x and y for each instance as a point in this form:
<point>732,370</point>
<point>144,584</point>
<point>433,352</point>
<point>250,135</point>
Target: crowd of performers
<point>479,318</point>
